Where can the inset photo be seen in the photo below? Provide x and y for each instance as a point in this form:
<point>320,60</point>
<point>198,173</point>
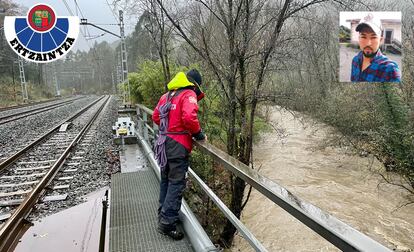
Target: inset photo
<point>370,47</point>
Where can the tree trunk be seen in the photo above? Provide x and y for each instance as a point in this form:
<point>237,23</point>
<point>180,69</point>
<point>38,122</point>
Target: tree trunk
<point>227,235</point>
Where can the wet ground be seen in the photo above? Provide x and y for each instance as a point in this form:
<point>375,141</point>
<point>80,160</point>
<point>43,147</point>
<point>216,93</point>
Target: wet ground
<point>72,230</point>
<point>335,179</point>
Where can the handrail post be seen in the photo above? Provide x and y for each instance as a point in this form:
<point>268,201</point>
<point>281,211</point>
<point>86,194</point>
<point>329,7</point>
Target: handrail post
<point>139,120</point>
<point>156,129</point>
<point>145,120</point>
<point>103,223</point>
<point>156,132</point>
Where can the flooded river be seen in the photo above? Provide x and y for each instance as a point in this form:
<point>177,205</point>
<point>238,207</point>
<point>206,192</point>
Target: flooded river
<point>335,179</point>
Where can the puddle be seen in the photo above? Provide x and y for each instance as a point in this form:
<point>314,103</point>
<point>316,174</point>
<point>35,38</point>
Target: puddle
<point>132,159</point>
<point>74,229</point>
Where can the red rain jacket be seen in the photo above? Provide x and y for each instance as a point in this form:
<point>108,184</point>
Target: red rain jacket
<point>182,116</point>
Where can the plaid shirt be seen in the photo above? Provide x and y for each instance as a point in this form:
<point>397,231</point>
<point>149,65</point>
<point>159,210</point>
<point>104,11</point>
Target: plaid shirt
<point>381,69</point>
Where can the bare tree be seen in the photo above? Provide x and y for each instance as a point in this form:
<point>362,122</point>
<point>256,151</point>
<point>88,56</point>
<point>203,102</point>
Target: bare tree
<point>157,26</point>
<point>253,30</point>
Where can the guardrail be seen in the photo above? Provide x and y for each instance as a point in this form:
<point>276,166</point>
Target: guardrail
<point>196,234</point>
<point>333,230</point>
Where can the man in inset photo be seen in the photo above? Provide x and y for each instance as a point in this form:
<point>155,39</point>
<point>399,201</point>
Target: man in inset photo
<point>370,65</point>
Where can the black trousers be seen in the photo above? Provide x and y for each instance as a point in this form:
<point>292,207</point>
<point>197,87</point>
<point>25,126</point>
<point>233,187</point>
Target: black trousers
<point>172,184</point>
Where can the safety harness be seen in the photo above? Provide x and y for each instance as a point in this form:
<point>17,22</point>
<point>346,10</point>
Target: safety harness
<point>164,110</point>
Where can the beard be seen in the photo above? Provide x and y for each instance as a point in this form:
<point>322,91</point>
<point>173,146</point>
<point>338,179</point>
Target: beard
<point>369,55</point>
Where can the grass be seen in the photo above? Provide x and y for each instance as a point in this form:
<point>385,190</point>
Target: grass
<point>12,95</point>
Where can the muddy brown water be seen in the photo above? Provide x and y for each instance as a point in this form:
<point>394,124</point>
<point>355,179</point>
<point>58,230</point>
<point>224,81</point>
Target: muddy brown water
<point>335,179</point>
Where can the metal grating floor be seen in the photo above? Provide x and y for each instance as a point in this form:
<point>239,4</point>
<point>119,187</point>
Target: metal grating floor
<point>133,211</point>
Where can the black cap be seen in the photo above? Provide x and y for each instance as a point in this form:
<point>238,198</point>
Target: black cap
<point>194,76</point>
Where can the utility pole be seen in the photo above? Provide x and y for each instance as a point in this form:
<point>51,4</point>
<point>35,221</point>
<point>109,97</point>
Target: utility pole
<point>127,94</point>
<point>56,81</point>
<point>100,72</point>
<point>44,75</point>
<point>80,81</point>
<point>23,80</point>
<point>113,83</point>
<point>73,77</point>
<point>119,69</point>
<point>124,57</point>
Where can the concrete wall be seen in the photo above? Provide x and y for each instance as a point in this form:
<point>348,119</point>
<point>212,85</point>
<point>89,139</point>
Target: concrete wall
<point>396,34</point>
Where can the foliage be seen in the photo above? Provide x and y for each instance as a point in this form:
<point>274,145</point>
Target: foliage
<point>11,94</point>
<point>394,137</point>
<point>8,92</point>
<point>147,83</point>
<point>217,178</point>
<point>376,118</point>
<point>344,34</point>
<point>140,46</point>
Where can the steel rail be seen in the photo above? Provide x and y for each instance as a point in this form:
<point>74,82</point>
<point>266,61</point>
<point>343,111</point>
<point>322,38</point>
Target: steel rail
<point>16,155</point>
<point>18,116</point>
<point>14,224</point>
<point>25,105</point>
<point>34,110</point>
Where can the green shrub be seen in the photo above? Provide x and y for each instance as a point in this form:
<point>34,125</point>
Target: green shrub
<point>148,84</point>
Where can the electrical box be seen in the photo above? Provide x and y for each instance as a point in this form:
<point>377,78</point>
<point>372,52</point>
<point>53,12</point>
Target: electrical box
<point>124,131</point>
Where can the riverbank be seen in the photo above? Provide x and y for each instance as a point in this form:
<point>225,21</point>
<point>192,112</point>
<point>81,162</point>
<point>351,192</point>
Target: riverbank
<point>299,156</point>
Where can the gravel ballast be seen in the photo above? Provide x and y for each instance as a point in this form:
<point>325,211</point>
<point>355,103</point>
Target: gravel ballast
<point>100,160</point>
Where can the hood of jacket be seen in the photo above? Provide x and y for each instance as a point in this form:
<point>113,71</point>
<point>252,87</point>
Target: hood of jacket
<point>179,81</point>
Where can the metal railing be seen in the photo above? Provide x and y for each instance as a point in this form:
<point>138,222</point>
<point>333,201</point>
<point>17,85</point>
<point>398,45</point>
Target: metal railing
<point>333,230</point>
<point>394,46</point>
<point>196,234</point>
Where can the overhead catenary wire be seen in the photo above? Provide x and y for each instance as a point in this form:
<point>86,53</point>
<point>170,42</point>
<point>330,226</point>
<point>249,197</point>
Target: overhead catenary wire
<point>67,7</point>
<point>112,11</point>
<point>71,12</point>
<point>78,8</point>
<point>95,57</point>
<point>106,24</point>
<point>95,37</point>
<point>86,34</point>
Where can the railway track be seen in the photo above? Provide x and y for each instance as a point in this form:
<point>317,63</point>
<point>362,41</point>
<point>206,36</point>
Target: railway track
<point>23,114</point>
<point>42,171</point>
<point>25,105</point>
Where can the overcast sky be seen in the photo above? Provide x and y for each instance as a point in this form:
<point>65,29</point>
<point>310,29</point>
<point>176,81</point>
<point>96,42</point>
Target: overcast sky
<point>96,11</point>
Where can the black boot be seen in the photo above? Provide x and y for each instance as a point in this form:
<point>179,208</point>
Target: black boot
<point>175,234</point>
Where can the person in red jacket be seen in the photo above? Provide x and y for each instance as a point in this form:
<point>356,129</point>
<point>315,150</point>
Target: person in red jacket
<point>176,115</point>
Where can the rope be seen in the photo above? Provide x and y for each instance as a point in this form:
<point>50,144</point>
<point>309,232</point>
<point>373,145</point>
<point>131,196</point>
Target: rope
<point>160,153</point>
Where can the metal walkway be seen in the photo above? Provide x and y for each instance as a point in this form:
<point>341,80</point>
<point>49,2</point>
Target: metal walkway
<point>133,215</point>
<point>134,205</point>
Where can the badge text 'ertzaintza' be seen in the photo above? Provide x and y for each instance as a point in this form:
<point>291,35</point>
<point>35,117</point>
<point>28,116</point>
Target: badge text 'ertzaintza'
<point>41,57</point>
